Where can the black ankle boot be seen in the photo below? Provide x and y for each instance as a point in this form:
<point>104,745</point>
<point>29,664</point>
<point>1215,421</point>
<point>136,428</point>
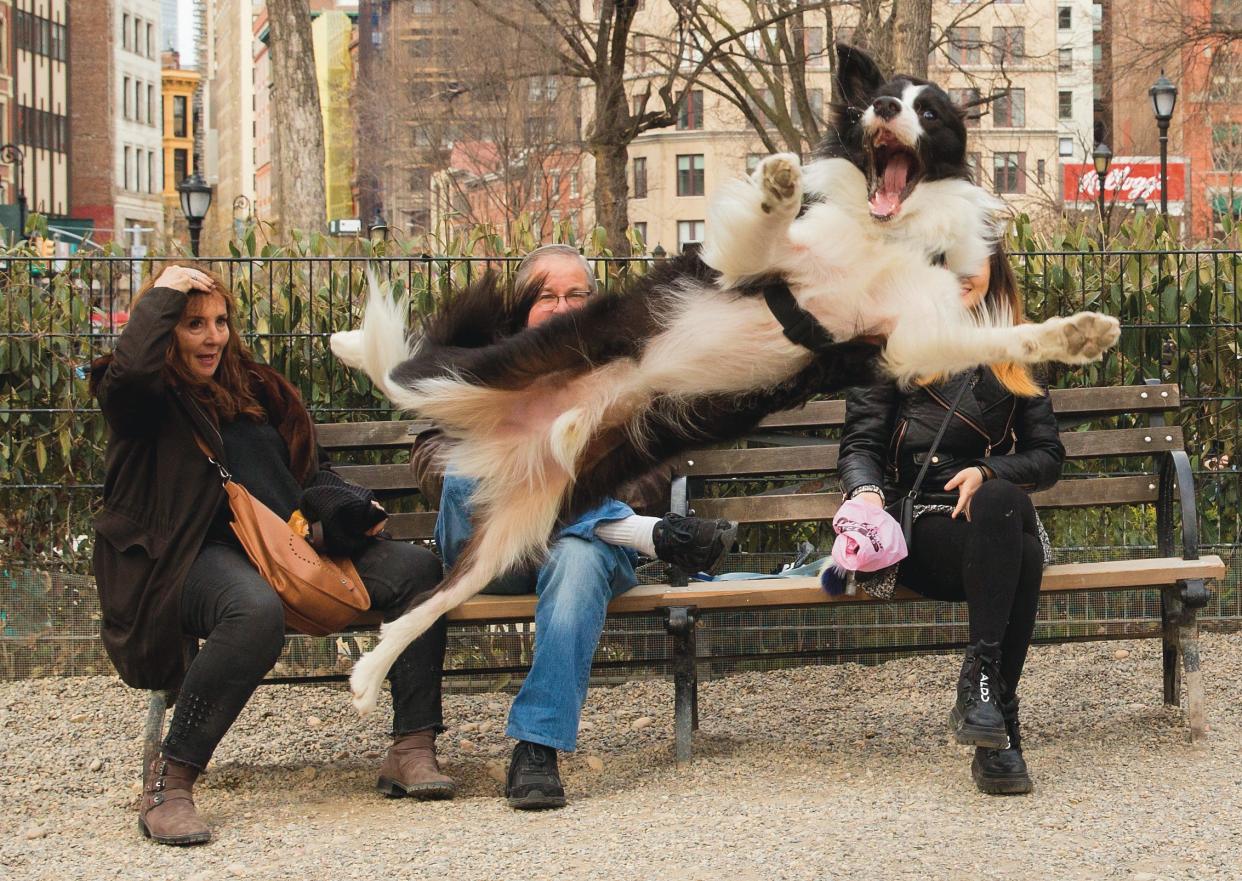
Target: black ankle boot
<point>1003,771</point>
<point>976,719</point>
<point>534,781</point>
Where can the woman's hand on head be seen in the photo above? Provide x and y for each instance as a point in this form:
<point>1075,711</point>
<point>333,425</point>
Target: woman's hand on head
<point>185,279</point>
<point>967,483</point>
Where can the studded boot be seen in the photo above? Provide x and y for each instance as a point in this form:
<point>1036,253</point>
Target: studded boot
<point>166,813</point>
<point>1003,771</point>
<point>410,768</point>
<point>976,719</point>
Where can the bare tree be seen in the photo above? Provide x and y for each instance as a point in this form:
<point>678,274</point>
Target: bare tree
<point>298,156</point>
<point>597,49</point>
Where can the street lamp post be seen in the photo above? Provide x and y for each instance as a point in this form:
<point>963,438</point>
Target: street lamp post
<point>195,200</point>
<point>1102,157</point>
<point>11,154</point>
<point>1163,100</point>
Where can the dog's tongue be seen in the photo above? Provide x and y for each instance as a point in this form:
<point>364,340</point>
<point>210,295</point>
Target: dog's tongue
<point>887,197</point>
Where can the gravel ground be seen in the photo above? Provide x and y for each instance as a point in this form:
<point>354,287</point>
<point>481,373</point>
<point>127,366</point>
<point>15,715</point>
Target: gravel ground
<point>839,772</point>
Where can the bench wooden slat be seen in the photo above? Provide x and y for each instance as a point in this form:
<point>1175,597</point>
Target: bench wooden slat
<point>823,457</point>
<point>369,435</point>
<point>386,477</point>
<point>416,526</point>
<point>1066,402</point>
<point>817,414</point>
<point>806,591</point>
<point>822,506</point>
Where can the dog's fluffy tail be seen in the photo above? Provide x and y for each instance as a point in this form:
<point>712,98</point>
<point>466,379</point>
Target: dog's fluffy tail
<point>381,343</point>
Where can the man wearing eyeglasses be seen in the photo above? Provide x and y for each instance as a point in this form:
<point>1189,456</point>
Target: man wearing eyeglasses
<point>590,561</point>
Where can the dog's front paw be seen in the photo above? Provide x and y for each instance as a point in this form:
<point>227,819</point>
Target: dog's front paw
<point>779,178</point>
<point>1082,337</point>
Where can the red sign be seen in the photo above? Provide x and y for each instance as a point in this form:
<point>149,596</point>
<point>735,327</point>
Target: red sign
<point>1129,179</point>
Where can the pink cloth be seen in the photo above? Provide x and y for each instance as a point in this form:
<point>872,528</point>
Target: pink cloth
<point>868,538</point>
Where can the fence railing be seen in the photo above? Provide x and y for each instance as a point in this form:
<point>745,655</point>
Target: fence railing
<point>1180,312</point>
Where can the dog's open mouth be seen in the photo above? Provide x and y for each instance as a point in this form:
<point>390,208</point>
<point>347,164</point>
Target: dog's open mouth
<point>895,170</point>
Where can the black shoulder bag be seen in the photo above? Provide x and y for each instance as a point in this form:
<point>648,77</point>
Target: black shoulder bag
<point>904,507</point>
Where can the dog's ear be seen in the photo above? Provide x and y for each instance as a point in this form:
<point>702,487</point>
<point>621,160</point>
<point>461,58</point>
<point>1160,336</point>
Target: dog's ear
<point>857,76</point>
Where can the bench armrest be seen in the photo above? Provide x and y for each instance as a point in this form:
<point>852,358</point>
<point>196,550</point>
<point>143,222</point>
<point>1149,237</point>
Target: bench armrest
<point>1177,480</point>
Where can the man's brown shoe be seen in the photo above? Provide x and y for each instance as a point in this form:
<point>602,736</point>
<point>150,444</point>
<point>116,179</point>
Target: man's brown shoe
<point>410,768</point>
<point>166,813</point>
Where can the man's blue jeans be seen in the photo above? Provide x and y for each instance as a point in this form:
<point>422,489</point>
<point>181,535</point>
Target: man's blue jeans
<point>577,580</point>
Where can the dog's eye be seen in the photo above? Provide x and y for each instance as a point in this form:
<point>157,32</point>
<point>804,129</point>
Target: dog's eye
<point>929,114</point>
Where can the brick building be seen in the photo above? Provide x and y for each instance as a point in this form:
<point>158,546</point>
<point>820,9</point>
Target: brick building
<point>116,161</point>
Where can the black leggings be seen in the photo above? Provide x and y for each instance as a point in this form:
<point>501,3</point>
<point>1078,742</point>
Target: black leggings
<point>994,562</point>
<point>228,604</point>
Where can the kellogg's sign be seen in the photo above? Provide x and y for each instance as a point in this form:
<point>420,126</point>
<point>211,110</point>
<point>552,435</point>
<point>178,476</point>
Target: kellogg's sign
<point>1129,179</point>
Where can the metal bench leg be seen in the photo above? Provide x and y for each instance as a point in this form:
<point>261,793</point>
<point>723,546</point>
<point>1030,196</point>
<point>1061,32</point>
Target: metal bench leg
<point>1194,596</point>
<point>1170,615</point>
<point>679,621</point>
<point>153,732</point>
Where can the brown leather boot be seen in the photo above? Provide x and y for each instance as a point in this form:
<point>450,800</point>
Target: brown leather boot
<point>410,768</point>
<point>166,813</point>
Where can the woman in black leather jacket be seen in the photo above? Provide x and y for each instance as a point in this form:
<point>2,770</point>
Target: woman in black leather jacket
<point>976,534</point>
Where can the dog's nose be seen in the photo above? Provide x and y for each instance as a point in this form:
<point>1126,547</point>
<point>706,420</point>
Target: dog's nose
<point>886,108</point>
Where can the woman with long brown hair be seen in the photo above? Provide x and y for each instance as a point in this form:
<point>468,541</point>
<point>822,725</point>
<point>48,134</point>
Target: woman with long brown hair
<point>976,536</point>
<point>171,572</point>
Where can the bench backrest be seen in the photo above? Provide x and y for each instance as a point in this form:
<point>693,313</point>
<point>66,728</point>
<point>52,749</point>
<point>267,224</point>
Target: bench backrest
<point>791,447</point>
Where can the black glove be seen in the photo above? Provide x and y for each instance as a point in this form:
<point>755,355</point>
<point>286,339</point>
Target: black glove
<point>344,513</point>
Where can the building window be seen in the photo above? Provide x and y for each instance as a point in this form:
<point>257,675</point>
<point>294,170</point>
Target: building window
<point>125,31</point>
<point>1065,59</point>
<point>1065,19</point>
<point>1040,167</point>
<point>813,45</point>
<point>640,177</point>
<point>126,180</point>
<point>1065,105</point>
<point>137,101</point>
<point>150,41</point>
<point>815,98</point>
<point>1008,172</point>
<point>1227,146</point>
<point>690,110</point>
<point>179,121</point>
<point>690,175</point>
<point>1065,146</point>
<point>150,105</point>
<point>963,98</point>
<point>181,165</point>
<point>965,46</point>
<point>125,112</point>
<point>1097,16</point>
<point>1009,109</point>
<point>640,233</point>
<point>137,36</point>
<point>1008,45</point>
<point>689,232</point>
<point>637,104</point>
<point>151,178</point>
<point>972,162</point>
<point>1097,56</point>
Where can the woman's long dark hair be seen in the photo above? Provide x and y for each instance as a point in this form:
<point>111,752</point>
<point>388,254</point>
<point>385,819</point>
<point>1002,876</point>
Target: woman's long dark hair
<point>241,387</point>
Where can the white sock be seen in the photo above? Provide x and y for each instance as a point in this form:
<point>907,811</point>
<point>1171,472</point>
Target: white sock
<point>633,532</point>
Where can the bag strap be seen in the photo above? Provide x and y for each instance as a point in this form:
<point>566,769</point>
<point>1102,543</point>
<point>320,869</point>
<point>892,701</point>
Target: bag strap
<point>798,325</point>
<point>225,476</point>
<point>918,481</point>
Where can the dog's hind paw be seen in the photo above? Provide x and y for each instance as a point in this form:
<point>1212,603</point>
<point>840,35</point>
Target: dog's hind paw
<point>779,178</point>
<point>364,685</point>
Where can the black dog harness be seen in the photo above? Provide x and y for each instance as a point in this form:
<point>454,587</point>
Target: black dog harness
<point>799,326</point>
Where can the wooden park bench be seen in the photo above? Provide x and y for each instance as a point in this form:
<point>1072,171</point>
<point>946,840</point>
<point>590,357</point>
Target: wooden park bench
<point>1141,466</point>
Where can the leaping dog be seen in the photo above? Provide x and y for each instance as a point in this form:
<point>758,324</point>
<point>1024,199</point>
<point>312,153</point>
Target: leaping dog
<point>871,238</point>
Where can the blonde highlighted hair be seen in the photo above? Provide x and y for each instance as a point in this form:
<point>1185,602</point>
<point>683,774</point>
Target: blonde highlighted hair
<point>1002,299</point>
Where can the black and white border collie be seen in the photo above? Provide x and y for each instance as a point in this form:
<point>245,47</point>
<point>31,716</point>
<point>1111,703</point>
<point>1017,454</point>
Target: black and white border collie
<point>870,238</point>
